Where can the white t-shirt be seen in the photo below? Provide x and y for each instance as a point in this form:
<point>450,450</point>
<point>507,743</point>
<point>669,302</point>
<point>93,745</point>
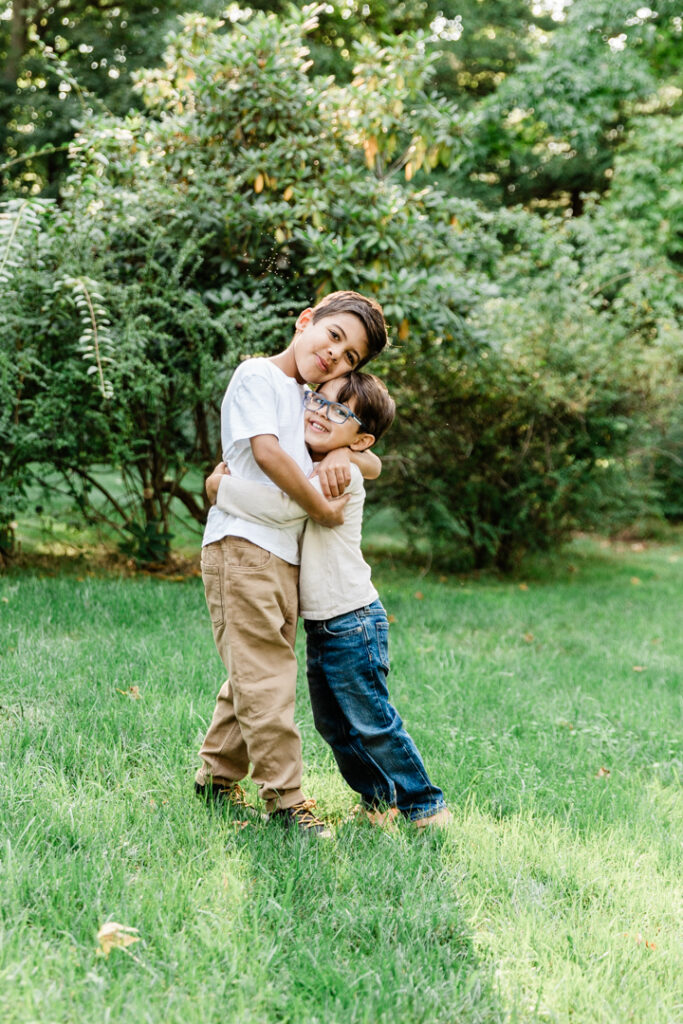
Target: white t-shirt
<point>260,399</point>
<point>334,577</point>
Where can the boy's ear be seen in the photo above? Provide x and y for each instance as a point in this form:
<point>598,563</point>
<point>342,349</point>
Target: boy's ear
<point>304,318</point>
<point>362,442</point>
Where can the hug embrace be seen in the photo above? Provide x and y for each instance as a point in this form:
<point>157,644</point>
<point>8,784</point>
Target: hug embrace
<point>280,542</point>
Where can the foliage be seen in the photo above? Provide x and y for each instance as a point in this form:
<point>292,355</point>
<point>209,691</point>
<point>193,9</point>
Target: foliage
<point>59,63</point>
<point>249,186</point>
<point>21,273</point>
<point>549,132</point>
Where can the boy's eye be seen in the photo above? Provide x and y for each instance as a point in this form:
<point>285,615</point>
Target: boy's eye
<point>351,356</point>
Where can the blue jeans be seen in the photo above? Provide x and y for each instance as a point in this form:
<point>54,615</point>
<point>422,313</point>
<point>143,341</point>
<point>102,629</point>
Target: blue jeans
<point>347,663</point>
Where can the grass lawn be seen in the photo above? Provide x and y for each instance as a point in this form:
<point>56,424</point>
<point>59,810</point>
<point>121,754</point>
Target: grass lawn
<point>547,707</point>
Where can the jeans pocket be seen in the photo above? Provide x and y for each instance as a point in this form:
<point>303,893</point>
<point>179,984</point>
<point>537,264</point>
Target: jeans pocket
<point>343,625</point>
<point>382,633</point>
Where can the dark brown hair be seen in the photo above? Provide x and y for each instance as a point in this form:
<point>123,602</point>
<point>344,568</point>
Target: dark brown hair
<point>373,404</point>
<point>368,311</point>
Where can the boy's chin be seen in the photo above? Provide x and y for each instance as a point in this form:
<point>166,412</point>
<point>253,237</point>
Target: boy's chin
<point>319,448</point>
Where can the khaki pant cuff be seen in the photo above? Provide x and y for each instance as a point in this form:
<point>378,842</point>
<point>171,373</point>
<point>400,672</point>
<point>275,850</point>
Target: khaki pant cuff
<point>284,800</point>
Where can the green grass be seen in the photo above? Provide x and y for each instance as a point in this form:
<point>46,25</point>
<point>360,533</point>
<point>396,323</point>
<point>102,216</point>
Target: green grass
<point>547,707</point>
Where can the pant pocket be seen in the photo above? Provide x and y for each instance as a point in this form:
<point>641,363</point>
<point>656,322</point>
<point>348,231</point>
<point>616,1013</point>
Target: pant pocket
<point>382,634</point>
<point>214,593</point>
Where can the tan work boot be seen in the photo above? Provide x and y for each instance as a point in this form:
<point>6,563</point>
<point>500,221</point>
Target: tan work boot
<point>374,816</point>
<point>441,819</point>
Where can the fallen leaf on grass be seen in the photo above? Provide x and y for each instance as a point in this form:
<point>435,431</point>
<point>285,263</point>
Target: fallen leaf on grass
<point>418,595</point>
<point>524,586</point>
<point>641,941</point>
<point>133,692</point>
<point>602,772</point>
<point>639,668</point>
<point>635,581</point>
<point>115,936</point>
<point>528,637</point>
<point>391,618</point>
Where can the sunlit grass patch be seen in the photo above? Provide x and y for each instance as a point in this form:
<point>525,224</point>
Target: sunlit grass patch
<point>555,896</point>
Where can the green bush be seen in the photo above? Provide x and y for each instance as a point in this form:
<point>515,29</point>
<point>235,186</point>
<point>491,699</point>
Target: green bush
<point>533,362</point>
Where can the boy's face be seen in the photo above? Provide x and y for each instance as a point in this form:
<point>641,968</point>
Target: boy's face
<point>329,348</point>
<point>321,434</point>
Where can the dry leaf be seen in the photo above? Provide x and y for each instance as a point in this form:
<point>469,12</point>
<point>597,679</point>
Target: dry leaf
<point>638,668</point>
<point>529,637</point>
<point>370,147</point>
<point>418,595</point>
<point>115,936</point>
<point>391,618</point>
<point>635,581</point>
<point>133,692</point>
<point>259,183</point>
<point>524,586</point>
<point>602,772</point>
<point>288,193</point>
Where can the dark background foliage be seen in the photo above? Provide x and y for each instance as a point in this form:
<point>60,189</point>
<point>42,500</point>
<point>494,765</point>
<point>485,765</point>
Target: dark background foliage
<point>502,177</point>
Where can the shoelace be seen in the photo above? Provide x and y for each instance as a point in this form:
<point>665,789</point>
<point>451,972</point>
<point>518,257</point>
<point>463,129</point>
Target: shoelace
<point>304,815</point>
<point>236,795</point>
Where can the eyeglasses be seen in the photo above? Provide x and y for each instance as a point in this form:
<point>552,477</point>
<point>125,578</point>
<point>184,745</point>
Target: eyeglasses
<point>335,411</point>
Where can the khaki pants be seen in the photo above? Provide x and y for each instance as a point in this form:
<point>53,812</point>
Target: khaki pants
<point>253,602</point>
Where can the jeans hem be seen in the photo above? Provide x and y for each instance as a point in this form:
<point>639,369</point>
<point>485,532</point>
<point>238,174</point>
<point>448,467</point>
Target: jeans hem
<point>426,812</point>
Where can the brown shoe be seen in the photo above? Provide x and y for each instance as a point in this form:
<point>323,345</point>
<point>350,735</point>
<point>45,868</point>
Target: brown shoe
<point>301,817</point>
<point>441,819</point>
<point>374,816</point>
<point>220,791</point>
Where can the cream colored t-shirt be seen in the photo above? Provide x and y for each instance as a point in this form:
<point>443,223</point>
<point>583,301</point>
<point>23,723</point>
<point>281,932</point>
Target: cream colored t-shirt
<point>334,577</point>
<point>260,399</point>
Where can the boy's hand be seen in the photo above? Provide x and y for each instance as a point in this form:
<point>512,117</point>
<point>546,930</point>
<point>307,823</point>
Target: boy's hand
<point>212,482</point>
<point>335,473</point>
<point>335,514</point>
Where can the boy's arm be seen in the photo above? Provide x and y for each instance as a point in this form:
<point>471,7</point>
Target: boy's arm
<point>257,503</point>
<point>335,470</point>
<point>286,474</point>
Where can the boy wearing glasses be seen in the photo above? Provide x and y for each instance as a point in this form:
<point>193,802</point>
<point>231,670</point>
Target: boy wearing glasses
<point>346,625</point>
<point>250,569</point>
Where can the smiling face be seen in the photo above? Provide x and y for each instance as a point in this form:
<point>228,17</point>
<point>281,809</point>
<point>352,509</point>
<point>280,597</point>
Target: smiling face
<point>329,348</point>
<point>321,434</point>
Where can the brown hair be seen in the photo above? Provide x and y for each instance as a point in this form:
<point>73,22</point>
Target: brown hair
<point>373,404</point>
<point>368,311</point>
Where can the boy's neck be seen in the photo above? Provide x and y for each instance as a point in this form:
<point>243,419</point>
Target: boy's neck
<point>286,362</point>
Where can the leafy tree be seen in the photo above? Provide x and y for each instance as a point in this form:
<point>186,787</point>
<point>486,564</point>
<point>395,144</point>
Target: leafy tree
<point>549,132</point>
<point>61,61</point>
<point>246,188</point>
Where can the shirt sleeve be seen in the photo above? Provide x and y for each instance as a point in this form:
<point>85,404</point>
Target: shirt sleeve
<point>251,408</point>
<point>258,503</point>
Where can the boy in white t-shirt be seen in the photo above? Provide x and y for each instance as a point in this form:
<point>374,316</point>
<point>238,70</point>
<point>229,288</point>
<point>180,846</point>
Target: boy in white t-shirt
<point>346,625</point>
<point>250,570</point>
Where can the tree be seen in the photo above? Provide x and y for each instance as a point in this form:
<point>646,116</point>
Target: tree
<point>62,61</point>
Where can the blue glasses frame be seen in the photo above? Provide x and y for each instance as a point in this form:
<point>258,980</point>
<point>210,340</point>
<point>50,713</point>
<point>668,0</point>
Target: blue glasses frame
<point>334,411</point>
